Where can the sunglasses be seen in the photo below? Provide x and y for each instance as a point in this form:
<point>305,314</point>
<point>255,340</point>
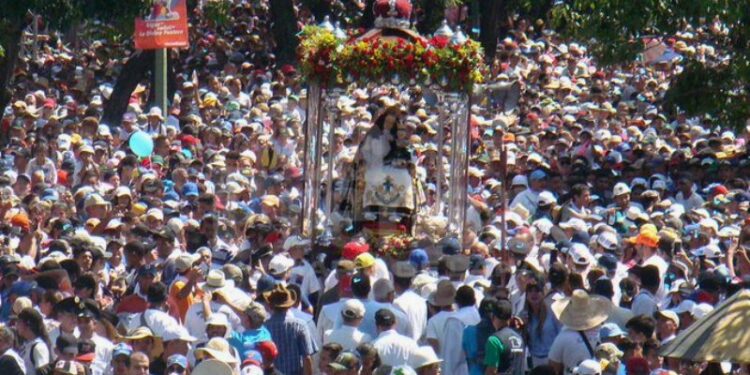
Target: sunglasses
<point>176,369</point>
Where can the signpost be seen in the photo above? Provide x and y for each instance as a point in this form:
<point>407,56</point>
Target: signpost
<point>166,27</point>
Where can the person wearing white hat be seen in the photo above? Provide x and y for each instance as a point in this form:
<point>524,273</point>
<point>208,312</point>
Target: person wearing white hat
<point>667,325</point>
<point>348,335</point>
<point>279,267</point>
<point>155,126</point>
<point>303,274</point>
<point>425,362</point>
<point>588,367</point>
<point>581,314</point>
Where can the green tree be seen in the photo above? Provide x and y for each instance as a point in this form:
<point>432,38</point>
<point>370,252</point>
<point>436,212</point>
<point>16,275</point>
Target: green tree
<point>16,16</point>
<point>615,30</point>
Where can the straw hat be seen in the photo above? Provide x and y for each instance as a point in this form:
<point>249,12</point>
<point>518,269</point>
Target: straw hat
<point>212,367</point>
<point>424,356</point>
<point>581,311</point>
<point>217,348</point>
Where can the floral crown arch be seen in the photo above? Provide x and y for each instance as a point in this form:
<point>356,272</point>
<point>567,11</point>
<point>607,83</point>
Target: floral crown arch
<point>448,64</point>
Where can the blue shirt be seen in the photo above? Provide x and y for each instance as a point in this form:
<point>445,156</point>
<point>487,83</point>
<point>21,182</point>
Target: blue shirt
<point>540,342</point>
<point>246,341</point>
<point>470,344</point>
<point>293,339</point>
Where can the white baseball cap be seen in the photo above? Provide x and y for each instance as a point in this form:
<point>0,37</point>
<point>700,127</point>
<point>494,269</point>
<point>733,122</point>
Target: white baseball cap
<point>580,254</point>
<point>700,310</point>
<point>520,180</point>
<point>279,264</point>
<point>574,223</point>
<point>588,367</point>
<point>546,198</point>
<point>607,240</point>
<point>620,189</point>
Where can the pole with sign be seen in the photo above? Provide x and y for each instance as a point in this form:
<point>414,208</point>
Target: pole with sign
<point>166,27</point>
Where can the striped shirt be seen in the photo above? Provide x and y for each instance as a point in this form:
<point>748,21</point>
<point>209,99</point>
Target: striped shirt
<point>293,339</point>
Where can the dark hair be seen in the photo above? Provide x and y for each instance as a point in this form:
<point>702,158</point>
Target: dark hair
<point>34,320</point>
<point>402,282</point>
<point>366,350</point>
<point>135,247</point>
<point>86,281</point>
<point>465,296</point>
<point>650,346</point>
<point>503,309</point>
<point>576,281</point>
<point>649,276</point>
<point>333,348</point>
<point>604,288</point>
<point>558,275</point>
<point>157,293</point>
<point>542,370</point>
<point>578,189</point>
<point>501,274</point>
<point>361,286</point>
<point>642,324</point>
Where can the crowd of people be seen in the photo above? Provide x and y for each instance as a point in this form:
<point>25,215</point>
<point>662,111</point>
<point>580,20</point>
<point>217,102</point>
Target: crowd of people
<point>625,222</point>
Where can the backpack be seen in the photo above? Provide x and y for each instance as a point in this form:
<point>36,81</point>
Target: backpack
<point>513,357</point>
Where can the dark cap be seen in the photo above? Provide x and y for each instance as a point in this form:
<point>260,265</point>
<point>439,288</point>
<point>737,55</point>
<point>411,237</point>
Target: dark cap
<point>608,261</point>
<point>385,318</point>
<point>457,263</point>
<point>476,262</point>
<point>404,270</point>
<point>503,309</point>
<point>518,247</point>
<point>88,309</point>
<point>449,246</point>
<point>10,270</point>
<point>67,344</point>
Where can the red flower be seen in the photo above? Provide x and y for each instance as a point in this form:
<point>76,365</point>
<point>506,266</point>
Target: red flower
<point>439,41</point>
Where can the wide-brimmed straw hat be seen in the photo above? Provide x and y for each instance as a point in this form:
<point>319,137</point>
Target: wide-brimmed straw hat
<point>217,348</point>
<point>212,367</point>
<point>581,311</point>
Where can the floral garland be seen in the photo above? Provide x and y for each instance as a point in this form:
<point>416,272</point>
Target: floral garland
<point>396,247</point>
<point>438,62</point>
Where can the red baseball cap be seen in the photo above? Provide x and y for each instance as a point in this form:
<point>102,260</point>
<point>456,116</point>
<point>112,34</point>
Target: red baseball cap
<point>353,249</point>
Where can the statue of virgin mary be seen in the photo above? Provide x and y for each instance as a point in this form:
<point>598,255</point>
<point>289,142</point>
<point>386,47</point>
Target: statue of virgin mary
<point>382,191</point>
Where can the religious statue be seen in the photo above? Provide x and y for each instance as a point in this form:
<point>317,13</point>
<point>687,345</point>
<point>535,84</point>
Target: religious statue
<point>382,192</point>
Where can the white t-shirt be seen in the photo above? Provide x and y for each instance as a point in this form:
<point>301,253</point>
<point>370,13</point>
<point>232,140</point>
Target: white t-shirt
<point>570,349</point>
<point>304,277</point>
<point>347,336</point>
<point>158,321</point>
<point>436,324</point>
<point>195,322</point>
<point>35,354</point>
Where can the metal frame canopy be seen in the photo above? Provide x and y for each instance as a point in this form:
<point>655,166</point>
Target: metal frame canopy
<point>448,66</point>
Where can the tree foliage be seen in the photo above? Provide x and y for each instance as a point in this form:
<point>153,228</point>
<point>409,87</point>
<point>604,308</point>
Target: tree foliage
<point>614,29</point>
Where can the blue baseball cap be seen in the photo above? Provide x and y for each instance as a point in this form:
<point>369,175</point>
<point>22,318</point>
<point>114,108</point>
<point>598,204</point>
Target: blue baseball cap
<point>610,330</point>
<point>537,175</point>
<point>419,259</point>
<point>122,349</point>
<point>50,195</point>
<point>449,246</point>
<point>190,189</point>
<point>177,359</point>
